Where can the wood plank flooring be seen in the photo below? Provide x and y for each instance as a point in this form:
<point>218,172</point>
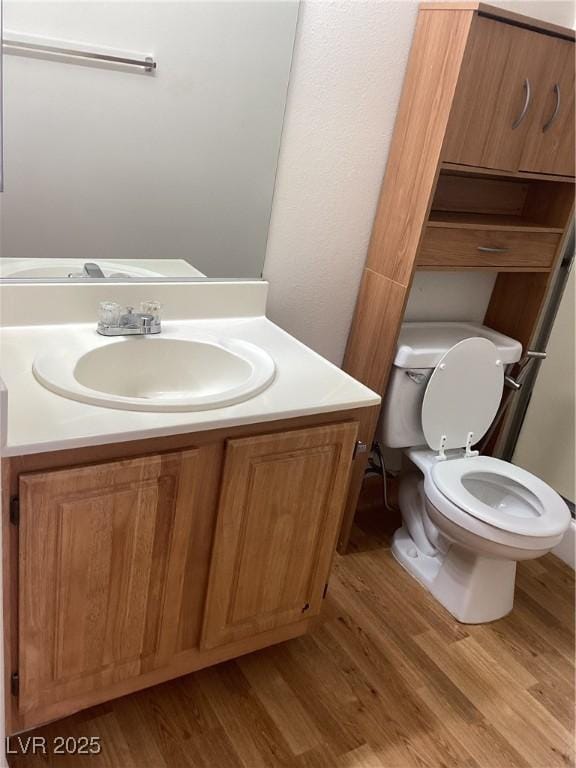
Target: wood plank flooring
<point>387,680</point>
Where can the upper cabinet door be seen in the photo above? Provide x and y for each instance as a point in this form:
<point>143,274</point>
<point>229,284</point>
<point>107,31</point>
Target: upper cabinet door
<point>102,568</point>
<point>549,145</point>
<point>493,109</point>
<point>280,507</point>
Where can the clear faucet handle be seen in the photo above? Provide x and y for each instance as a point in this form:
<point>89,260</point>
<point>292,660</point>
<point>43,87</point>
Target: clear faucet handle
<point>151,308</point>
<point>109,313</point>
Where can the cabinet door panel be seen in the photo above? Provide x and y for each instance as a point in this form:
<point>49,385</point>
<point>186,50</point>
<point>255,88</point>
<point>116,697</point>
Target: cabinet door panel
<point>101,566</point>
<point>550,144</point>
<point>500,61</point>
<point>280,507</point>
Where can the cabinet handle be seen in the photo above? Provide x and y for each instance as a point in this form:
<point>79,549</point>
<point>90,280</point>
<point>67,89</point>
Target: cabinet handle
<point>492,249</point>
<point>556,109</point>
<point>527,98</point>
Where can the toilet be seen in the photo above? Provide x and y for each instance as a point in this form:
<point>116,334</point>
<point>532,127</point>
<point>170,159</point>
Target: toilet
<point>466,519</point>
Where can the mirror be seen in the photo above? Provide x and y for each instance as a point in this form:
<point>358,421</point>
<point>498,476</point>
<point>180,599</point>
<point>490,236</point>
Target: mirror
<point>141,139</point>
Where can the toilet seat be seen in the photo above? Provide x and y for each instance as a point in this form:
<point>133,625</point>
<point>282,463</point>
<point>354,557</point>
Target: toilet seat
<point>502,495</point>
<point>462,395</point>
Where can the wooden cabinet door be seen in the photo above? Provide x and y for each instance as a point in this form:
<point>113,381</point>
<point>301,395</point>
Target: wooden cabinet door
<point>280,507</point>
<point>102,559</point>
<point>501,73</point>
<point>550,143</point>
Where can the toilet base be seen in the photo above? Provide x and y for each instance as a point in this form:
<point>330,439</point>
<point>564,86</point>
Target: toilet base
<point>475,589</point>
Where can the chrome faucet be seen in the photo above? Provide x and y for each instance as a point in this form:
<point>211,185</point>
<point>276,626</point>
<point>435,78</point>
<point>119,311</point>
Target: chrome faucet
<point>114,320</point>
<point>91,269</point>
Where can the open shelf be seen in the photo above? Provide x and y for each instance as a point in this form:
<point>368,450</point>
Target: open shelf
<point>497,222</point>
<point>480,268</point>
<point>501,202</point>
<point>476,171</point>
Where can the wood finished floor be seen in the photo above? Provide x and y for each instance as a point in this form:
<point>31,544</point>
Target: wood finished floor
<point>387,680</point>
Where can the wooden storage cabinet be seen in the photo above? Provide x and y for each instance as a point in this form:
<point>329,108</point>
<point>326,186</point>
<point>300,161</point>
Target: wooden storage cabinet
<point>464,173</point>
<point>127,572</point>
<point>490,95</point>
<point>513,108</point>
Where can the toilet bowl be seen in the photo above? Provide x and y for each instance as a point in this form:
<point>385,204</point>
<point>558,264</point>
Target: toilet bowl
<point>469,559</point>
<point>467,519</point>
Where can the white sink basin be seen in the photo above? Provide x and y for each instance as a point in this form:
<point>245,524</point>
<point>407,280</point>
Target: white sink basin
<point>156,373</point>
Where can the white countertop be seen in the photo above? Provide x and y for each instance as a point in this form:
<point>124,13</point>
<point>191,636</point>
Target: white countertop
<point>38,420</point>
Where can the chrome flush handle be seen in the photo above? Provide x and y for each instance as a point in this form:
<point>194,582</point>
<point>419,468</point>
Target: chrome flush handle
<point>527,100</point>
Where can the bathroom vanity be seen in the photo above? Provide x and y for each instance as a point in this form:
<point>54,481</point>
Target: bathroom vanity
<point>142,545</point>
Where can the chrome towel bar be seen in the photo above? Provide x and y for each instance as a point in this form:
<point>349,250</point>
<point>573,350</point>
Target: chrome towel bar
<point>20,44</point>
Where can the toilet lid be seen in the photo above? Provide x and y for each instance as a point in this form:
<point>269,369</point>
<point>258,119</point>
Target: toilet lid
<point>463,394</point>
<point>502,495</point>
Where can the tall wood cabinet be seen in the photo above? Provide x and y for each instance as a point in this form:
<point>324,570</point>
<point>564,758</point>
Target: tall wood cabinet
<point>513,108</point>
<point>128,565</point>
<point>480,175</point>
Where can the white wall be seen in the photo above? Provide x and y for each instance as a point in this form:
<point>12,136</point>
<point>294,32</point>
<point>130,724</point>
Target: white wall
<point>345,85</point>
<point>109,163</point>
<point>546,443</point>
<point>347,75</point>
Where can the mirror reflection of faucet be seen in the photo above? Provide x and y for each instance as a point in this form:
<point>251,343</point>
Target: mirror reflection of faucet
<point>91,269</point>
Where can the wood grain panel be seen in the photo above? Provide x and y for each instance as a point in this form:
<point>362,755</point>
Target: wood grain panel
<point>372,342</point>
<point>469,194</point>
<point>515,304</point>
<point>491,92</point>
<point>103,553</point>
<point>281,503</point>
<point>504,14</point>
<point>550,203</point>
<point>552,150</point>
<point>367,421</point>
<point>489,172</point>
<point>429,85</point>
<point>454,248</point>
<point>489,222</point>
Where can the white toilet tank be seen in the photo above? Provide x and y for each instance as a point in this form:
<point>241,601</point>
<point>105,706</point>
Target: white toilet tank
<point>420,348</point>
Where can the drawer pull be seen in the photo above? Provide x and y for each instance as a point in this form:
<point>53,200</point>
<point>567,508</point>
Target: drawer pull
<point>527,99</point>
<point>548,124</point>
<point>492,249</point>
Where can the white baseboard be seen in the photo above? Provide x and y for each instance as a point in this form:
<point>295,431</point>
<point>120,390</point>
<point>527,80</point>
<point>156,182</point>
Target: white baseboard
<point>566,550</point>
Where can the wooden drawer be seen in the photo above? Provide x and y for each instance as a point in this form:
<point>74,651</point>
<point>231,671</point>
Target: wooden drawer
<point>487,248</point>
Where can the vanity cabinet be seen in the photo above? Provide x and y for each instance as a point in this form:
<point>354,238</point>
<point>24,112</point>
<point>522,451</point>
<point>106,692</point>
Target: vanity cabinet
<point>103,558</point>
<point>170,555</point>
<point>513,108</point>
<point>276,531</point>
